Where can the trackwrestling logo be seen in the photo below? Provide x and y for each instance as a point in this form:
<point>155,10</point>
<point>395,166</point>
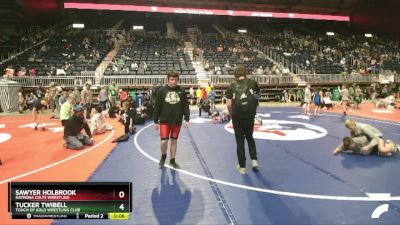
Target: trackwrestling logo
<point>283,130</point>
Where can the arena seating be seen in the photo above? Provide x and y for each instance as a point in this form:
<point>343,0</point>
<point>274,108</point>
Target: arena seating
<point>322,54</point>
<point>153,56</point>
<point>14,43</point>
<point>73,52</point>
<point>234,52</point>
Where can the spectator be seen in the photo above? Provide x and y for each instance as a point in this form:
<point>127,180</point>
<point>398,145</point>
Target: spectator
<point>22,72</point>
<point>98,124</point>
<point>317,102</point>
<point>21,101</point>
<point>52,96</point>
<point>103,98</point>
<point>67,110</point>
<point>72,131</point>
<point>345,98</point>
<point>113,93</point>
<point>212,98</point>
<point>77,95</point>
<point>326,102</point>
<point>9,72</point>
<point>123,96</point>
<point>191,95</point>
<point>63,98</point>
<point>127,117</point>
<point>140,99</point>
<point>307,99</point>
<point>87,99</point>
<point>32,72</point>
<point>199,95</point>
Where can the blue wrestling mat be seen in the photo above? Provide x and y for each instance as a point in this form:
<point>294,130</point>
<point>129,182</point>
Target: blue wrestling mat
<point>299,182</point>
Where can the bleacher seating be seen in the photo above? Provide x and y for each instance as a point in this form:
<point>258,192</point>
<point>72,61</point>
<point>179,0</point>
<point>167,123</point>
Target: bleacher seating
<point>234,52</point>
<point>153,56</point>
<point>73,52</point>
<point>14,43</point>
<point>322,54</point>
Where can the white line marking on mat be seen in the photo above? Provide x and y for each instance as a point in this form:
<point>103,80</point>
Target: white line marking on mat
<point>59,162</point>
<point>270,191</point>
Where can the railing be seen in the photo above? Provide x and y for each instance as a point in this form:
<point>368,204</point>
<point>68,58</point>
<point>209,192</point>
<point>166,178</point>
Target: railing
<point>397,78</point>
<point>87,76</point>
<point>308,78</point>
<point>261,79</point>
<point>131,80</point>
<point>64,81</point>
<point>337,78</point>
<point>44,81</point>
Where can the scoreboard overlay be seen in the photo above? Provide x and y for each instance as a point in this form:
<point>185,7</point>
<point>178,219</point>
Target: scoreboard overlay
<point>70,200</point>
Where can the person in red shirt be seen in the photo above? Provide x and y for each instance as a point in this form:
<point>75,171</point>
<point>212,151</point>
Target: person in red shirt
<point>204,95</point>
<point>21,72</point>
<point>123,96</point>
<point>32,72</point>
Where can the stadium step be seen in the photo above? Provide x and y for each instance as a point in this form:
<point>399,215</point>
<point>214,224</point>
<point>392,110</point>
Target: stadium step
<point>171,32</point>
<point>201,74</point>
<point>189,49</point>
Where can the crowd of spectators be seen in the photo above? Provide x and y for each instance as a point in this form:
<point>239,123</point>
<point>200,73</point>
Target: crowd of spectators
<point>15,42</point>
<point>322,54</point>
<point>154,55</point>
<point>221,56</point>
<point>67,53</point>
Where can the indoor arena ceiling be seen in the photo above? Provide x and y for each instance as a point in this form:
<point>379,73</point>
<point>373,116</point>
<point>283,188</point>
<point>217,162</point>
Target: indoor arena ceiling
<point>336,7</point>
<point>12,11</point>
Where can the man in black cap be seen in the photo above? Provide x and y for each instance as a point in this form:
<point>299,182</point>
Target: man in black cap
<point>72,131</point>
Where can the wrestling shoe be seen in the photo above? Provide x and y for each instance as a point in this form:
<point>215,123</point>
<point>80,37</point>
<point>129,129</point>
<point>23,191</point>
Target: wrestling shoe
<point>254,165</point>
<point>175,165</point>
<point>241,170</point>
<point>162,162</point>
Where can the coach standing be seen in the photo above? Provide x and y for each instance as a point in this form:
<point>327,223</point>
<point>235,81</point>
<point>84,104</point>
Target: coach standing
<point>242,105</point>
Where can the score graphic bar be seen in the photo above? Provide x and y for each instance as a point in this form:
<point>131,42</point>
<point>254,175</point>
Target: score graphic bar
<point>70,200</point>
